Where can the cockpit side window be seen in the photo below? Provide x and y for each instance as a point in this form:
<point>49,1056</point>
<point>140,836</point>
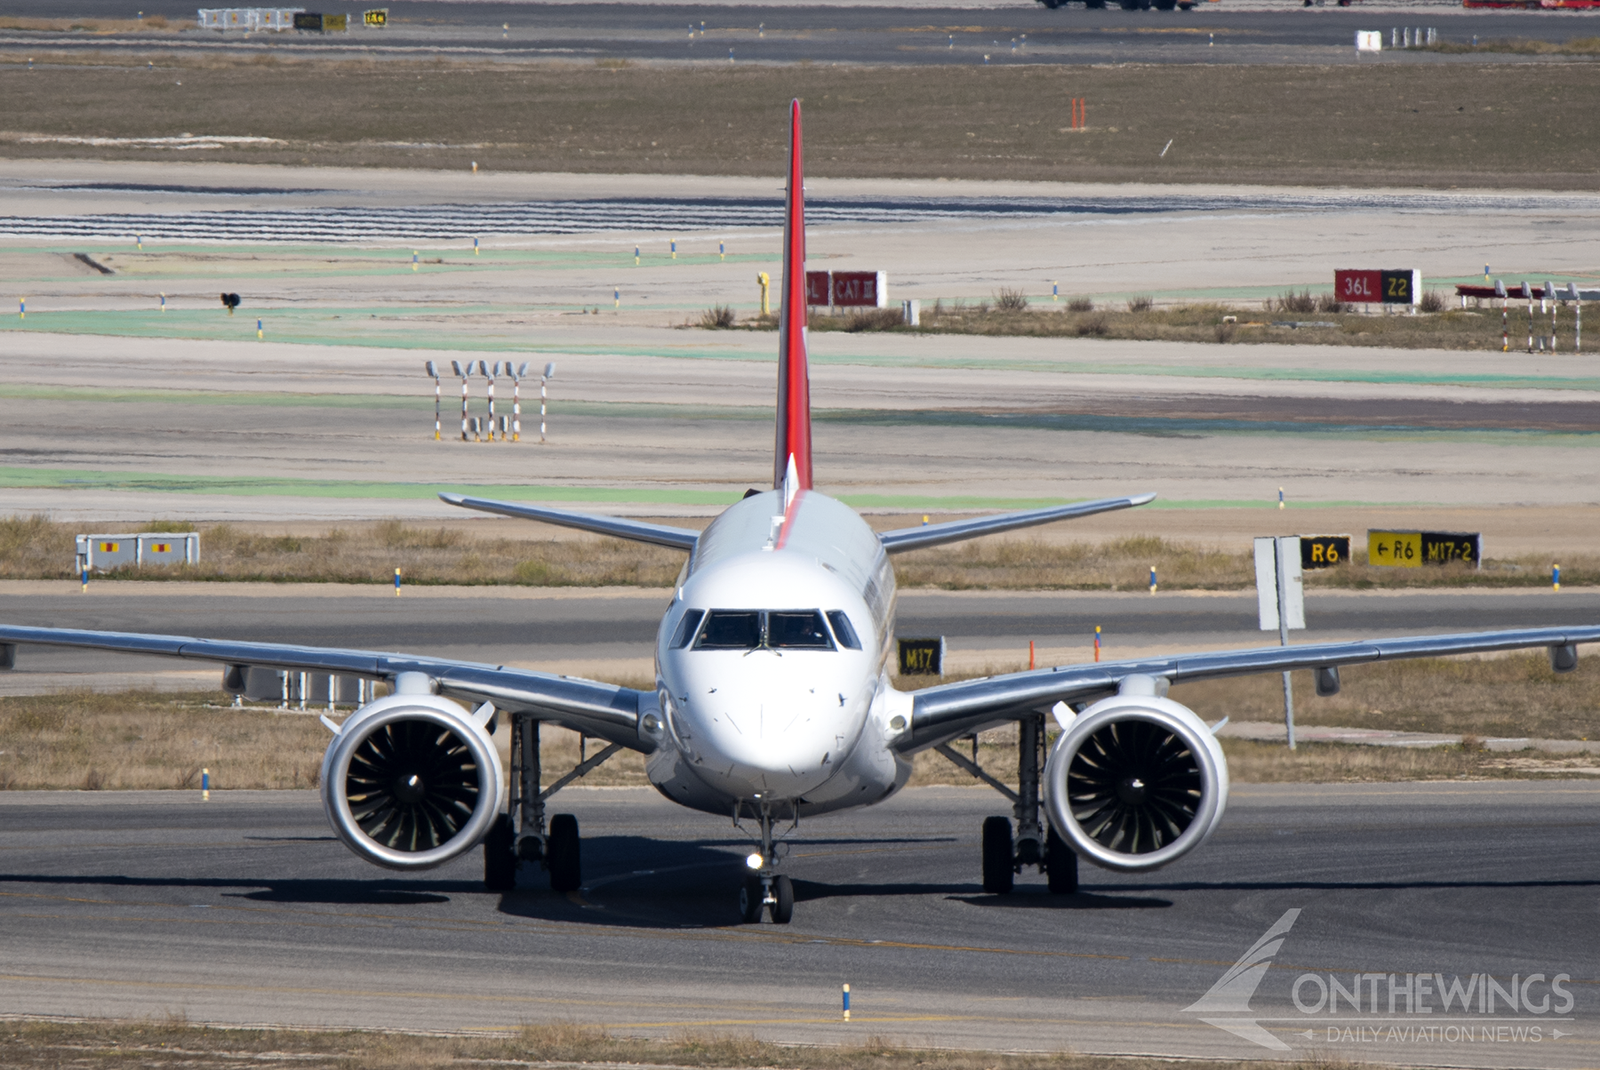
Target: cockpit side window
<point>731,629</point>
<point>686,628</point>
<point>842,630</point>
<point>802,628</point>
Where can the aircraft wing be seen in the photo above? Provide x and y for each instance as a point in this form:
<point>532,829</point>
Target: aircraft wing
<point>596,709</point>
<point>620,527</point>
<point>904,539</point>
<point>943,712</point>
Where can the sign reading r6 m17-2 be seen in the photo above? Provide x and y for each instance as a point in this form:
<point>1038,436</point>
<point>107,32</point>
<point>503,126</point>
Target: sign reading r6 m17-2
<point>1378,286</point>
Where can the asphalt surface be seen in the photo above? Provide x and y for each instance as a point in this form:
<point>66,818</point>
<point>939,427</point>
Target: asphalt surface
<point>531,627</point>
<point>189,213</point>
<point>1013,32</point>
<point>245,910</point>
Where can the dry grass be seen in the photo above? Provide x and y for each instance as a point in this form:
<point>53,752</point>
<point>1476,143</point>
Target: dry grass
<point>149,23</point>
<point>141,740</point>
<point>1513,696</point>
<point>173,1042</point>
<point>1280,322</point>
<point>1027,563</point>
<point>37,548</point>
<point>137,740</point>
<point>1522,46</point>
<point>1516,696</point>
<point>1467,124</point>
<point>717,318</point>
<point>1033,564</point>
<point>1253,762</point>
<point>145,740</point>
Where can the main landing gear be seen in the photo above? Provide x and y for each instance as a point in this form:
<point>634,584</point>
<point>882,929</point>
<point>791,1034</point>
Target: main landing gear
<point>1035,842</point>
<point>520,835</point>
<point>764,887</point>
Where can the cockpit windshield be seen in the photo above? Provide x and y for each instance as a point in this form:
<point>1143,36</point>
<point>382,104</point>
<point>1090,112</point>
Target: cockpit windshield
<point>729,629</point>
<point>798,628</point>
<point>781,629</point>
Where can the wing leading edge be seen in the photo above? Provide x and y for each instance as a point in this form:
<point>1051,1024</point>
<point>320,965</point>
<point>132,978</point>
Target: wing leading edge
<point>946,711</point>
<point>596,709</point>
<point>620,527</point>
<point>904,539</point>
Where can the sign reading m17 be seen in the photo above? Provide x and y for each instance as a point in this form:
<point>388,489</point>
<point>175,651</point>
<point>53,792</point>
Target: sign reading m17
<point>1378,286</point>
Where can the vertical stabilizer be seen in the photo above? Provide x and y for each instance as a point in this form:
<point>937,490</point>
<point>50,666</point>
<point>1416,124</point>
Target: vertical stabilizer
<point>794,378</point>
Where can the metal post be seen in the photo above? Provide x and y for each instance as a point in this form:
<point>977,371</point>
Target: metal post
<point>1030,841</point>
<point>1526,292</point>
<point>526,805</point>
<point>490,372</point>
<point>455,366</point>
<point>1550,293</point>
<point>283,703</point>
<point>333,690</point>
<point>304,677</point>
<point>1281,568</point>
<point>544,396</point>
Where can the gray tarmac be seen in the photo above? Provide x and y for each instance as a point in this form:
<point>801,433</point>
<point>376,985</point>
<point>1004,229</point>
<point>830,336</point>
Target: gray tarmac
<point>611,632</point>
<point>911,32</point>
<point>246,910</point>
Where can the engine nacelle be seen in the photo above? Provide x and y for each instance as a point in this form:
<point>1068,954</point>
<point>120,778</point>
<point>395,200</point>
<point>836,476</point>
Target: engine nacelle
<point>411,781</point>
<point>1135,782</point>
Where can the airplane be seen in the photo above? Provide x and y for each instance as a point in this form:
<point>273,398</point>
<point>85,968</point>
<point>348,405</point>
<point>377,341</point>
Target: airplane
<point>774,700</point>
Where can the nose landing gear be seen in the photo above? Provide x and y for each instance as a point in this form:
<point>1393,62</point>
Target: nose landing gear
<point>764,887</point>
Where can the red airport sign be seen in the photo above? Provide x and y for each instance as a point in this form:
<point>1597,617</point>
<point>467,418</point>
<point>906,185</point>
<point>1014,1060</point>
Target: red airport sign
<point>1381,286</point>
<point>857,288</point>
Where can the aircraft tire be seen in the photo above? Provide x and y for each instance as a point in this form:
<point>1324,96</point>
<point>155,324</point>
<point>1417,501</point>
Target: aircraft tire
<point>999,872</point>
<point>1060,864</point>
<point>750,901</point>
<point>783,900</point>
<point>562,854</point>
<point>500,856</point>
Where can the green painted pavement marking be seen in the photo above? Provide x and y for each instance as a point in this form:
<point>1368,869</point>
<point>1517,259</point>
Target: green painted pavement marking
<point>387,329</point>
<point>95,479</point>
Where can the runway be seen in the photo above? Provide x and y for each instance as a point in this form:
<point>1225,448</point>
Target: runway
<point>245,910</point>
<point>604,632</point>
<point>357,222</point>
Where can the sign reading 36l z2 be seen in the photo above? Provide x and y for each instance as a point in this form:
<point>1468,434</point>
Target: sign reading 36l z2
<point>1378,286</point>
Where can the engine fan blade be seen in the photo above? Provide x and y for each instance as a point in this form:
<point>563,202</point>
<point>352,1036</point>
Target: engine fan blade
<point>412,785</point>
<point>1134,786</point>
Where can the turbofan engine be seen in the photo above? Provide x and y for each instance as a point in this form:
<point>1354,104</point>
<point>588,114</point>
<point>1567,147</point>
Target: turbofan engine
<point>1135,781</point>
<point>411,781</point>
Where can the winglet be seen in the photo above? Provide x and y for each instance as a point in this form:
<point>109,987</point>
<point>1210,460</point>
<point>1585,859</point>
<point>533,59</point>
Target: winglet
<point>794,378</point>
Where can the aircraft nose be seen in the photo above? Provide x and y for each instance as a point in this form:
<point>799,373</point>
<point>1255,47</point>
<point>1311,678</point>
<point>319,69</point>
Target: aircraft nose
<point>784,749</point>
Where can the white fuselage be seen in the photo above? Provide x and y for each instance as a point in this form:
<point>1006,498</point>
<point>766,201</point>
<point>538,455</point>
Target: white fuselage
<point>772,664</point>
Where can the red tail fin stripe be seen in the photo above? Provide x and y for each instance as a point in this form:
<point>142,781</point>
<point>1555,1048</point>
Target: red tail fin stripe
<point>794,378</point>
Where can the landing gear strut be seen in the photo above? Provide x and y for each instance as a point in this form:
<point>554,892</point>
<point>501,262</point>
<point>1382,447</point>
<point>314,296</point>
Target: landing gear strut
<point>764,886</point>
<point>1035,842</point>
<point>520,836</point>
